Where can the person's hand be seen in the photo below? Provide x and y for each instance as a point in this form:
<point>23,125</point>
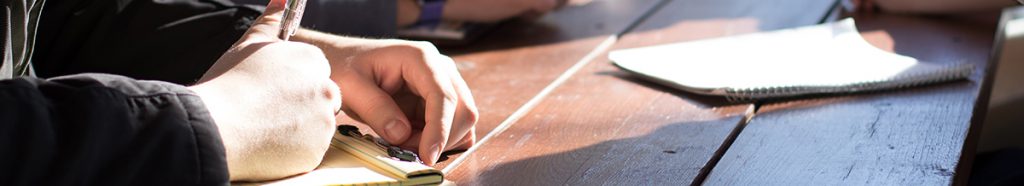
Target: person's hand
<point>406,91</point>
<point>273,102</point>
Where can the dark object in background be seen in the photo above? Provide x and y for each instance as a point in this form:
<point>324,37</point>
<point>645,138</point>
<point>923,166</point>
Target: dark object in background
<point>450,33</point>
<point>1002,167</point>
<point>167,40</point>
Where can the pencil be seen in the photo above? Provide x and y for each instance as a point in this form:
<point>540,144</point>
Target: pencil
<point>292,16</point>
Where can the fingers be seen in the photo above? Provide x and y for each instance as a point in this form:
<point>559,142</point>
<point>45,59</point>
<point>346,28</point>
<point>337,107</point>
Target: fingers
<point>275,9</point>
<point>412,82</point>
<point>466,115</point>
<point>432,83</point>
<point>414,141</point>
<point>273,14</point>
<point>376,108</point>
<point>440,110</point>
<point>466,142</point>
<point>450,112</point>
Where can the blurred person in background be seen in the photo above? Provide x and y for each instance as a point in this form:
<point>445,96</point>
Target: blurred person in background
<point>383,18</point>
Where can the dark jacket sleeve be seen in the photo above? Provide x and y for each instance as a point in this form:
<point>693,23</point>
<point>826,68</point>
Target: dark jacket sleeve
<point>363,18</point>
<point>167,40</point>
<point>96,129</point>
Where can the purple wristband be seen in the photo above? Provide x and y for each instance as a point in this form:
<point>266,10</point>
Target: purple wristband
<point>430,12</point>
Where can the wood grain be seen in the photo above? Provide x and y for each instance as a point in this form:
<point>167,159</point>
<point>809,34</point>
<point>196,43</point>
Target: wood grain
<point>914,136</point>
<point>605,127</point>
<point>514,62</point>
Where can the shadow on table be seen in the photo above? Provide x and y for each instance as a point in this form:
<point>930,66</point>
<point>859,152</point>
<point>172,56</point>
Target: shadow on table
<point>705,101</point>
<point>512,34</point>
<point>931,38</point>
<point>671,155</point>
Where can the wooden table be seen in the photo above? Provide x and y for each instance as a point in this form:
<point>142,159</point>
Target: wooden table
<point>919,136</point>
<point>555,111</point>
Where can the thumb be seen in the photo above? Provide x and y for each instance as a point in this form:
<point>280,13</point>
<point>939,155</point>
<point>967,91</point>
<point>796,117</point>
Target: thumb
<point>272,15</point>
<point>268,25</point>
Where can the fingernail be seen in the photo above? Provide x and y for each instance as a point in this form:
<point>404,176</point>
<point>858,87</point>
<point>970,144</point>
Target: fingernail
<point>394,132</point>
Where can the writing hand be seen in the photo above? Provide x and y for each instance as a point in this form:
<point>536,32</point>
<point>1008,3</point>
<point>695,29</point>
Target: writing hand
<point>273,102</point>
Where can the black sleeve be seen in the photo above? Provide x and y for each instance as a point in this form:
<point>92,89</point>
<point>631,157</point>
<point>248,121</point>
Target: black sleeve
<point>167,40</point>
<point>96,129</point>
<point>362,18</point>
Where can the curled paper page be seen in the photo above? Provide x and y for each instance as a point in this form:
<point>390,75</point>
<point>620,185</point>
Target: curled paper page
<point>820,59</point>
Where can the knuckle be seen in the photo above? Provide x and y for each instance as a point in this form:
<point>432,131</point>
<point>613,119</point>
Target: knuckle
<point>330,91</point>
<point>472,116</point>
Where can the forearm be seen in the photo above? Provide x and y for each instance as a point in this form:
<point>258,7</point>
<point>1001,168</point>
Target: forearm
<point>68,129</point>
<point>342,47</point>
<point>942,6</point>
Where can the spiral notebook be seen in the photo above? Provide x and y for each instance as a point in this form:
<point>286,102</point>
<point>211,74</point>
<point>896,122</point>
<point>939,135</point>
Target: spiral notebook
<point>829,58</point>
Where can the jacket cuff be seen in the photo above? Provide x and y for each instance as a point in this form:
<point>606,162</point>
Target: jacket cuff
<point>153,98</point>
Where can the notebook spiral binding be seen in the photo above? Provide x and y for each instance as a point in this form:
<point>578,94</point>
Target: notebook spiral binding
<point>943,74</point>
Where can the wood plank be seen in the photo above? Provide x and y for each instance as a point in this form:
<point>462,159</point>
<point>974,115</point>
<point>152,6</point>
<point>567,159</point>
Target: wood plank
<point>914,136</point>
<point>603,126</point>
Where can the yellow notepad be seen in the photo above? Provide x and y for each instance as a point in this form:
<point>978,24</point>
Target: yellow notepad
<point>352,161</point>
